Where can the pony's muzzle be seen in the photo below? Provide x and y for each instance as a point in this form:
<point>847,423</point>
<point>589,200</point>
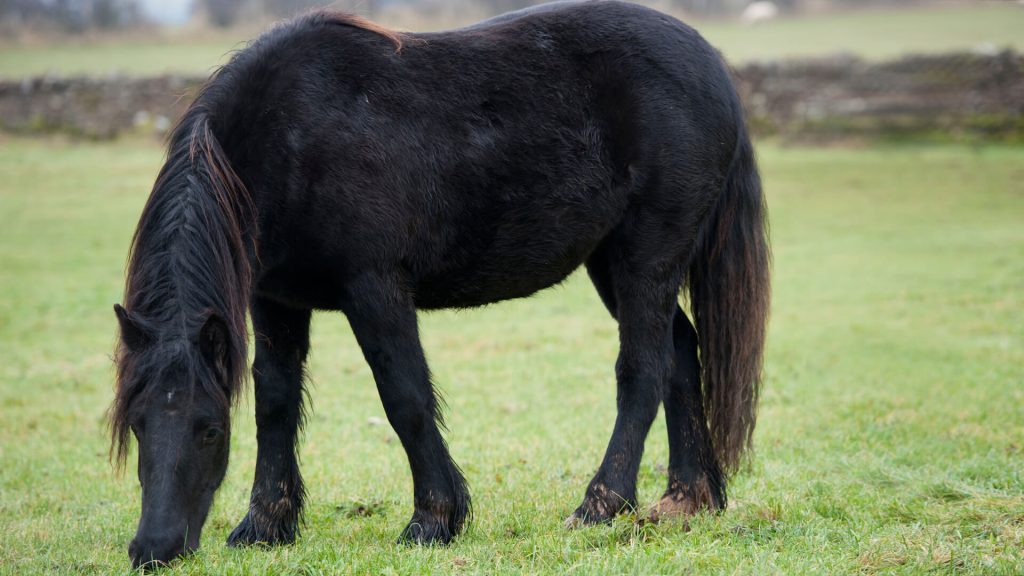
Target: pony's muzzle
<point>152,552</point>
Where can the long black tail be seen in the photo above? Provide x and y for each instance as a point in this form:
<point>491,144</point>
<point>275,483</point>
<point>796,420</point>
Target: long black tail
<point>729,289</point>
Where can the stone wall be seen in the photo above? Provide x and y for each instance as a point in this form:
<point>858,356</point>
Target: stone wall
<point>94,107</point>
<point>948,96</point>
<point>945,96</point>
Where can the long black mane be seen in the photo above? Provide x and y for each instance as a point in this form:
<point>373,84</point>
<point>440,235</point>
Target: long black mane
<point>189,259</point>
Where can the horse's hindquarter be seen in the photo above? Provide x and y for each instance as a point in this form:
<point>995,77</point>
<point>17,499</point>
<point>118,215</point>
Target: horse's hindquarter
<point>482,164</point>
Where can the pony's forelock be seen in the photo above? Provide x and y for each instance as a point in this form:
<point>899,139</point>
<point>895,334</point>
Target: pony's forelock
<point>141,371</point>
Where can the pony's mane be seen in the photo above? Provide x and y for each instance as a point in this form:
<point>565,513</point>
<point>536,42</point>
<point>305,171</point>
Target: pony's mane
<point>190,255</point>
<point>189,259</point>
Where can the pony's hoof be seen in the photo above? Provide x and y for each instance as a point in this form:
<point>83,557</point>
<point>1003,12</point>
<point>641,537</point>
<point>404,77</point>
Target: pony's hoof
<point>574,521</point>
<point>247,533</point>
<point>599,506</point>
<point>426,530</point>
<point>671,508</point>
<point>683,501</point>
<point>581,517</point>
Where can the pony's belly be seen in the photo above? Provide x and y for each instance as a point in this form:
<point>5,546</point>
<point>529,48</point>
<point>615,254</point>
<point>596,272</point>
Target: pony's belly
<point>462,288</point>
<point>301,287</point>
<point>508,274</point>
<point>474,289</point>
<point>534,248</point>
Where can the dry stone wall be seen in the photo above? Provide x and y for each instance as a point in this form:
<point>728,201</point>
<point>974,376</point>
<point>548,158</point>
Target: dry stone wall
<point>947,96</point>
<point>94,107</point>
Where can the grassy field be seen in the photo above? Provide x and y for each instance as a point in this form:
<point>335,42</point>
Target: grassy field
<point>891,437</point>
<point>872,34</point>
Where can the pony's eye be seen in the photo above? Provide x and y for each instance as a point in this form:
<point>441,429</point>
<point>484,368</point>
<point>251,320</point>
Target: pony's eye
<point>212,434</point>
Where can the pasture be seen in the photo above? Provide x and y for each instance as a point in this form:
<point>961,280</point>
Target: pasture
<point>891,432</point>
<point>874,34</point>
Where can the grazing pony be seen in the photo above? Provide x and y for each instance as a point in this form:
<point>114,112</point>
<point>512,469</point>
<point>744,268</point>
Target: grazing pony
<point>336,165</point>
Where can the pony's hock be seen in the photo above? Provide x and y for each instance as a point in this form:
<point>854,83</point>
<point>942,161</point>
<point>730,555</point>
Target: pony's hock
<point>335,165</point>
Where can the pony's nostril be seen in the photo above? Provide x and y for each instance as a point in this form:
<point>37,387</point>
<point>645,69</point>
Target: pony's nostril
<point>150,556</point>
<point>133,553</point>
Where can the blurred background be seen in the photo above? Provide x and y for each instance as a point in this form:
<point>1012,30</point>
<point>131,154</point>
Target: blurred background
<point>890,136</point>
<point>808,69</point>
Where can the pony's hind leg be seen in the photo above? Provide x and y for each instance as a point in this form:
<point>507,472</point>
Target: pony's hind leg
<point>695,480</point>
<point>282,342</point>
<point>642,298</point>
<point>383,320</point>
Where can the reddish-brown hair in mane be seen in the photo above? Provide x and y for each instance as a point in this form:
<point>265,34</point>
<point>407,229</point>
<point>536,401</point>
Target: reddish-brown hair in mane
<point>354,20</point>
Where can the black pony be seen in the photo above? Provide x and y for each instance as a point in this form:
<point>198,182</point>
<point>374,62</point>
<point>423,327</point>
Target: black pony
<point>337,165</point>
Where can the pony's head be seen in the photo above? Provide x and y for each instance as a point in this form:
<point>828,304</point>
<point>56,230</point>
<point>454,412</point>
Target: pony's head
<point>181,355</point>
<point>174,396</point>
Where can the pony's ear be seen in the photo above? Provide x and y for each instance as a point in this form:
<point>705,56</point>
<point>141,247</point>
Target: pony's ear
<point>134,337</point>
<point>214,343</point>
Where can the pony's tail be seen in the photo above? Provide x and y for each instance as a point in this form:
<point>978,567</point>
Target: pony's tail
<point>729,289</point>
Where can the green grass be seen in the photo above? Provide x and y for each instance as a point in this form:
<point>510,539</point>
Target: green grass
<point>872,34</point>
<point>131,56</point>
<point>891,434</point>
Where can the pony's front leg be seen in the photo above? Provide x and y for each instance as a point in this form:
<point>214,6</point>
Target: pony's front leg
<point>282,342</point>
<point>383,320</point>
